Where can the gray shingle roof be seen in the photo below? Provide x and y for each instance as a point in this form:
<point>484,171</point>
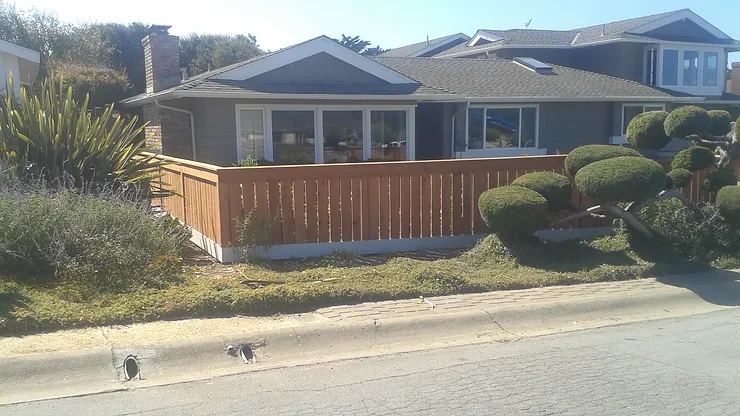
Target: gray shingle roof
<point>230,86</point>
<point>502,78</point>
<point>410,50</point>
<point>573,37</point>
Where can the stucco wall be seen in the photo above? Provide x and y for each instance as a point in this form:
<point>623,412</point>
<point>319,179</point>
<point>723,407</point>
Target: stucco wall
<point>8,64</point>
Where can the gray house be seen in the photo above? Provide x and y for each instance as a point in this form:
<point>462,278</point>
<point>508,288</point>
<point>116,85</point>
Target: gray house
<point>499,93</point>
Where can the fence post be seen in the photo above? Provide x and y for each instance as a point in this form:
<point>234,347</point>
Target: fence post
<point>223,230</point>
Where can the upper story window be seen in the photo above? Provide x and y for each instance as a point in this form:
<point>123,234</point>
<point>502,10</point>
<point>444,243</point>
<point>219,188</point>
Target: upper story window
<point>691,68</point>
<point>709,65</point>
<point>670,67</point>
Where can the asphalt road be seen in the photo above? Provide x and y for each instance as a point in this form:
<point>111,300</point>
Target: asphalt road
<point>687,366</point>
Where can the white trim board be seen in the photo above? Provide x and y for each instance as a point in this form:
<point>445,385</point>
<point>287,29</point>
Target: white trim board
<point>485,35</point>
<point>310,48</point>
<point>19,51</point>
<point>303,250</point>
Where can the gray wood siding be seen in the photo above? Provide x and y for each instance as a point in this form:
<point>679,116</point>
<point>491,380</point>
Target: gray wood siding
<point>621,60</point>
<point>565,126</point>
<point>320,68</point>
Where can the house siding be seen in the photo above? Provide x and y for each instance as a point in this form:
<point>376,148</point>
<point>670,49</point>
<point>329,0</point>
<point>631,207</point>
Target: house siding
<point>621,60</point>
<point>215,125</point>
<point>562,57</point>
<point>320,68</point>
<point>565,126</point>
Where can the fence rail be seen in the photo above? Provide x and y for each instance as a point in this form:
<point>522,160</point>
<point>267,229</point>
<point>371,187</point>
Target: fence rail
<point>353,202</point>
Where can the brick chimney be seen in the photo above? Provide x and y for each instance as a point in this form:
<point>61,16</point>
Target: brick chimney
<point>735,82</point>
<point>161,59</point>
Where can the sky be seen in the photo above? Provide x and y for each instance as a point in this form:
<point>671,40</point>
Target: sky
<point>388,23</point>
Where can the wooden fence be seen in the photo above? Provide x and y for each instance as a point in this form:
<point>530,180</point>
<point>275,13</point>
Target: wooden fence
<point>352,202</point>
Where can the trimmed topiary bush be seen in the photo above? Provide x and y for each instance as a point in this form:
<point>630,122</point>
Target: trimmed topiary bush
<point>687,120</point>
<point>693,158</point>
<point>621,179</point>
<point>513,210</point>
<point>718,180</point>
<point>556,188</point>
<point>583,155</point>
<point>646,131</point>
<point>669,184</point>
<point>681,177</point>
<point>728,202</point>
<point>719,124</point>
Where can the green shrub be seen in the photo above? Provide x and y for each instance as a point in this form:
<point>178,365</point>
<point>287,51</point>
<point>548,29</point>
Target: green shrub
<point>693,233</point>
<point>719,122</point>
<point>583,155</point>
<point>513,210</point>
<point>681,177</point>
<point>646,131</point>
<point>728,202</point>
<point>52,136</point>
<point>621,179</point>
<point>105,241</point>
<point>556,188</point>
<point>687,120</point>
<point>104,86</point>
<point>718,179</point>
<point>693,158</point>
<point>669,184</point>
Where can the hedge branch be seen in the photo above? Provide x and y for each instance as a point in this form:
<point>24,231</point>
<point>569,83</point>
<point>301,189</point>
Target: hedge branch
<point>629,218</point>
<point>591,212</point>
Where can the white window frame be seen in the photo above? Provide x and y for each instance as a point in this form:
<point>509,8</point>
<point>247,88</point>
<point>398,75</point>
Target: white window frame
<point>318,110</point>
<point>505,151</point>
<point>643,105</point>
<point>699,89</point>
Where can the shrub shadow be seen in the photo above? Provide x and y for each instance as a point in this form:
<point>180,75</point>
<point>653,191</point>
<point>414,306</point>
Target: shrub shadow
<point>564,256</point>
<point>9,301</point>
<point>719,287</point>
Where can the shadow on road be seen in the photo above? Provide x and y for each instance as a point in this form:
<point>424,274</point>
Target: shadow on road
<point>719,287</point>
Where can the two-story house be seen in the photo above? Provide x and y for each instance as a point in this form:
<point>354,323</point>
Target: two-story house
<point>497,93</point>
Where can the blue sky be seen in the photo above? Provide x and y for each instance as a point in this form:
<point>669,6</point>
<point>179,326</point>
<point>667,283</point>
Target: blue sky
<point>389,23</point>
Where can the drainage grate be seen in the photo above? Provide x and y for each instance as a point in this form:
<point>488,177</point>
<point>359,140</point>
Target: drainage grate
<point>131,368</point>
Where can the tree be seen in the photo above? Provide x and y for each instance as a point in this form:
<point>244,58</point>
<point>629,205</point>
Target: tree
<point>360,46</point>
<point>100,85</point>
<point>127,50</point>
<point>201,53</point>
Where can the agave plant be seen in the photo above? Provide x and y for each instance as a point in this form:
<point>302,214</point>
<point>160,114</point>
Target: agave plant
<point>49,135</point>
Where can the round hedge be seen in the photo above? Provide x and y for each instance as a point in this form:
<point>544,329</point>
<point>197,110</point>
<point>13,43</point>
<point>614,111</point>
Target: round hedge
<point>512,210</point>
<point>646,131</point>
<point>556,188</point>
<point>719,122</point>
<point>693,158</point>
<point>583,155</point>
<point>681,177</point>
<point>621,179</point>
<point>669,184</point>
<point>687,120</point>
<point>728,202</point>
<point>718,180</point>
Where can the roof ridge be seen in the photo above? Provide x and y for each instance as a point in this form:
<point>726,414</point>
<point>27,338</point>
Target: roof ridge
<point>663,14</point>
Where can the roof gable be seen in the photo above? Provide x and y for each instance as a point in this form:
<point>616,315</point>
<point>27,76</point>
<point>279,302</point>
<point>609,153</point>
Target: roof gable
<point>428,47</point>
<point>321,68</point>
<point>680,15</point>
<point>322,44</point>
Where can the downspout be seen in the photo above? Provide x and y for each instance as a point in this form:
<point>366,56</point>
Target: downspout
<point>192,122</point>
<point>454,127</point>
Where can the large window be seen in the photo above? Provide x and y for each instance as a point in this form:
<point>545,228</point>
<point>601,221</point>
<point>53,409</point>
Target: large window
<point>502,127</point>
<point>302,134</point>
<point>343,136</point>
<point>690,68</point>
<point>388,135</point>
<point>709,67</point>
<point>629,111</point>
<point>670,67</point>
<point>293,137</point>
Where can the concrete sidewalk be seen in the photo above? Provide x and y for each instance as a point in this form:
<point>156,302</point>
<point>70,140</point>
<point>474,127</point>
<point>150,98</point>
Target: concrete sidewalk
<point>89,360</point>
